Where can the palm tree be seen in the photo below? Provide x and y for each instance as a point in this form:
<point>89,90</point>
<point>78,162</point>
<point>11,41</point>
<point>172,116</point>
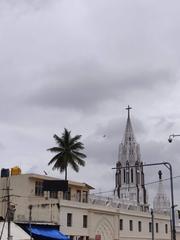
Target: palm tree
<point>68,152</point>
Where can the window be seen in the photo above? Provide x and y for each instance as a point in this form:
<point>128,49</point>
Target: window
<point>121,224</point>
<point>78,195</point>
<point>85,196</point>
<point>127,175</point>
<point>130,225</point>
<point>166,228</point>
<point>132,175</point>
<point>150,226</point>
<point>53,194</point>
<point>124,175</point>
<point>85,221</point>
<point>67,195</point>
<point>157,228</point>
<point>139,226</point>
<point>69,219</point>
<point>39,188</point>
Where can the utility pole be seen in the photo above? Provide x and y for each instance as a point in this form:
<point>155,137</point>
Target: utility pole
<point>30,219</point>
<point>10,210</point>
<point>8,214</point>
<point>152,222</point>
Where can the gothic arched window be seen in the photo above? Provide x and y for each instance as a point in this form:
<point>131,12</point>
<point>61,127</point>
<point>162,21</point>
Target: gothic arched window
<point>127,172</point>
<point>132,178</point>
<point>124,175</point>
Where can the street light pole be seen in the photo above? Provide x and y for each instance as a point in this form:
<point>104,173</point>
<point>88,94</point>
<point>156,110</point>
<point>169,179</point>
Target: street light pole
<point>169,167</point>
<point>152,222</point>
<point>171,136</point>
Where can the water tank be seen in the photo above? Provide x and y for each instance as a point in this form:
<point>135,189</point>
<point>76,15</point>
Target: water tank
<point>4,172</point>
<point>15,170</point>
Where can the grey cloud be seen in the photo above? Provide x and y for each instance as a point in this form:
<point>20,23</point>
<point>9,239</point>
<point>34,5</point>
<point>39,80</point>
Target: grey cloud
<point>84,87</point>
<point>155,151</point>
<point>21,7</point>
<point>2,147</point>
<point>164,123</point>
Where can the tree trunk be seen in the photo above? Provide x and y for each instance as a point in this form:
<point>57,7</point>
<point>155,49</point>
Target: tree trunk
<point>66,173</point>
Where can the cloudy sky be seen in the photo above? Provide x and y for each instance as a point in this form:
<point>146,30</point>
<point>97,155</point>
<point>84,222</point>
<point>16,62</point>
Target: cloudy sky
<point>78,64</point>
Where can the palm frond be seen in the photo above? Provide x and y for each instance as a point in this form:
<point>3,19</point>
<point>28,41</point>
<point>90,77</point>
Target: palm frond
<point>66,135</point>
<point>75,166</point>
<point>78,160</point>
<point>80,154</point>
<point>55,149</point>
<point>74,139</point>
<point>58,166</point>
<point>55,158</point>
<point>58,140</point>
<point>77,146</point>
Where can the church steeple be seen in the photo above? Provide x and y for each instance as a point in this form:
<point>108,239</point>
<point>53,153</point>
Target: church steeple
<point>129,149</point>
<point>130,180</point>
<point>129,134</point>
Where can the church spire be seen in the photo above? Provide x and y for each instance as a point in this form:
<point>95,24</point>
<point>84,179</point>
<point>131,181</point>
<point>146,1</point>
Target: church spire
<point>129,134</point>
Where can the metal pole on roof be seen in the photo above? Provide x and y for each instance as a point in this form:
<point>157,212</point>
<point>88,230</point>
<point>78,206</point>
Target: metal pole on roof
<point>8,214</point>
<point>30,219</point>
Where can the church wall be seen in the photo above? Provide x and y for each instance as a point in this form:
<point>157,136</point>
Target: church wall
<point>145,219</point>
<point>105,221</point>
<point>178,233</point>
<point>76,229</point>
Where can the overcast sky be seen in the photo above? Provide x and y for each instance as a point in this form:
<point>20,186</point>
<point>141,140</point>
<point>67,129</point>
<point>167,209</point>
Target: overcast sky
<point>78,64</point>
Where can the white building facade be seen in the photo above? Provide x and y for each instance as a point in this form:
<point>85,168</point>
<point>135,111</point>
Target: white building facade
<point>81,215</point>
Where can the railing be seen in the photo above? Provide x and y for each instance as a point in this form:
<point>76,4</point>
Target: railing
<point>115,202</point>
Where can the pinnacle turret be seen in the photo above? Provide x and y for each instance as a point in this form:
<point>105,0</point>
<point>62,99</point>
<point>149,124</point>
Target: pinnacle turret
<point>161,203</point>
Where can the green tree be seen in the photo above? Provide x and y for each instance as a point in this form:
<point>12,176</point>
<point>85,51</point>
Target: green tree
<point>68,152</point>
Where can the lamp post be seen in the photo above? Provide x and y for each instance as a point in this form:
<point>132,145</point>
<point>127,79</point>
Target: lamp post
<point>169,167</point>
<point>171,136</point>
<point>152,222</point>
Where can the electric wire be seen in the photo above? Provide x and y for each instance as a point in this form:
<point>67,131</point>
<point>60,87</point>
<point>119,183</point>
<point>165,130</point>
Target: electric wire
<point>146,184</point>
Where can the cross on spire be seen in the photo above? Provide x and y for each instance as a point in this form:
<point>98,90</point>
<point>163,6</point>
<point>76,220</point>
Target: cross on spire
<point>128,108</point>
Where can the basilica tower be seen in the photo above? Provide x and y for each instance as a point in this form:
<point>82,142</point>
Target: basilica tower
<point>129,181</point>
